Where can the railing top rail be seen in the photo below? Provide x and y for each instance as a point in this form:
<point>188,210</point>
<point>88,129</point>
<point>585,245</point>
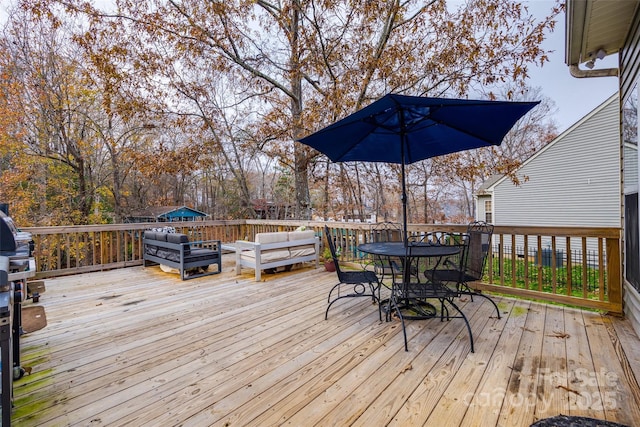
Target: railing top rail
<point>559,231</point>
<point>604,232</point>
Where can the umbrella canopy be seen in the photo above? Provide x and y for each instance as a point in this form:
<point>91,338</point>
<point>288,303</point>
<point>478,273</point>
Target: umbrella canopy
<point>405,129</point>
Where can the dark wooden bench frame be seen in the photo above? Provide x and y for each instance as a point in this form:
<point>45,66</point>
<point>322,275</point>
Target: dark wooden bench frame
<point>186,254</point>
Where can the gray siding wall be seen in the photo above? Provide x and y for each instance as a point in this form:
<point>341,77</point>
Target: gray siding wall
<point>630,168</point>
<point>632,307</point>
<point>575,181</point>
<point>629,59</point>
<point>630,69</point>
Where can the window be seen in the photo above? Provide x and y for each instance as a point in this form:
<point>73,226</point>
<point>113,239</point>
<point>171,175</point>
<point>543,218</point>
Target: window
<point>488,211</point>
<point>631,185</point>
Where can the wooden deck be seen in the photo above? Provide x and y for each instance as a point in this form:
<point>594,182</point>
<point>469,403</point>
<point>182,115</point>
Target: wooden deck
<point>137,346</point>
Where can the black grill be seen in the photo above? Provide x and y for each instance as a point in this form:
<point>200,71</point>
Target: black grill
<point>13,243</point>
<point>16,265</point>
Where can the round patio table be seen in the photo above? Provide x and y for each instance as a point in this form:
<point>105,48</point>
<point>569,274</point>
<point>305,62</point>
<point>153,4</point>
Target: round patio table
<point>410,308</point>
<point>398,249</point>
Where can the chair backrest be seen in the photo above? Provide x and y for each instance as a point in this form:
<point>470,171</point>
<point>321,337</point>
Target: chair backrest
<point>480,234</point>
<point>332,249</point>
<point>450,263</point>
<point>385,232</point>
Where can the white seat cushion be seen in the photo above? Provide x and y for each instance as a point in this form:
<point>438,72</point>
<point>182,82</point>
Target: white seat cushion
<point>299,251</point>
<point>272,255</point>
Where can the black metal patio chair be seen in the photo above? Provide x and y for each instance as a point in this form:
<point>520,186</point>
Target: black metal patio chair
<point>411,297</point>
<point>363,283</point>
<point>469,267</point>
<point>386,232</point>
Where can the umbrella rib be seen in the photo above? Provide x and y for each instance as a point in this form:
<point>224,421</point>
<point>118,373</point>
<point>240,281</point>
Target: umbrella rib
<point>473,134</point>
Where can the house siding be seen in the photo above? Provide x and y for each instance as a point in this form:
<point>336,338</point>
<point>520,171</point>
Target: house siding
<point>575,181</point>
<point>629,59</point>
<point>629,77</point>
<point>630,168</point>
<point>632,307</point>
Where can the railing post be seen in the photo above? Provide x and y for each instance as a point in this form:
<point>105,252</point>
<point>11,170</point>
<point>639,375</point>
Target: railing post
<point>614,271</point>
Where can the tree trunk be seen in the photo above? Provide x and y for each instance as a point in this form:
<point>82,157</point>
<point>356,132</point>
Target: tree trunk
<point>301,159</point>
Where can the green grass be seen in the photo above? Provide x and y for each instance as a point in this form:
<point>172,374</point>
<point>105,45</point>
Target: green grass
<point>541,278</point>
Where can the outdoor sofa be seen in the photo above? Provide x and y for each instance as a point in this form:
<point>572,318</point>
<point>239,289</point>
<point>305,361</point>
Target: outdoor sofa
<point>174,250</point>
<point>277,249</point>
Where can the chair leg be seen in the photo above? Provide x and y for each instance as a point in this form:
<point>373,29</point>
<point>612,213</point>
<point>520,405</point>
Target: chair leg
<point>469,291</point>
<point>490,300</point>
<point>393,301</point>
<point>376,298</point>
<point>443,309</point>
<point>450,301</point>
<point>326,313</point>
<point>331,301</point>
<point>331,292</point>
<point>359,290</point>
<point>387,311</point>
<point>387,302</point>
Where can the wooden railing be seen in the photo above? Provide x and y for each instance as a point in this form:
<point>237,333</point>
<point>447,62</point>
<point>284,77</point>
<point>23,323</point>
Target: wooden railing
<point>84,248</point>
<point>570,265</point>
<point>576,266</point>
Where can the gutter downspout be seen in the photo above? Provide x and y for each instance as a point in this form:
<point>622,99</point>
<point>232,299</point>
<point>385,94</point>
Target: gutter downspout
<point>579,73</point>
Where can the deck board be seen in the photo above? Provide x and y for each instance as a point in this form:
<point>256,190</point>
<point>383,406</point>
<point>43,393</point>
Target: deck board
<point>611,376</point>
<point>552,381</point>
<point>521,398</point>
<point>483,406</point>
<point>137,346</point>
<point>418,406</point>
<point>579,365</point>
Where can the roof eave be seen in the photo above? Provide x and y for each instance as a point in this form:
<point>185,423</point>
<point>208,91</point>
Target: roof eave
<point>574,20</point>
<point>593,26</point>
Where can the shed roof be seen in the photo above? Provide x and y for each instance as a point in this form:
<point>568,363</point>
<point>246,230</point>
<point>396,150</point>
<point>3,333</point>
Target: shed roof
<point>168,213</point>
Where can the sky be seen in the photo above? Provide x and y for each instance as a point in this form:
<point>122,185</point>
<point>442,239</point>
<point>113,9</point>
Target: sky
<point>574,97</point>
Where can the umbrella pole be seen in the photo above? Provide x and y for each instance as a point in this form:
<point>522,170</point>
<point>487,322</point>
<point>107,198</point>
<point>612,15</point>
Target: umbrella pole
<point>403,141</point>
<point>404,205</point>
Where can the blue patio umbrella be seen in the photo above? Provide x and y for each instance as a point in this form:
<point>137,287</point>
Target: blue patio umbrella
<point>405,129</point>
